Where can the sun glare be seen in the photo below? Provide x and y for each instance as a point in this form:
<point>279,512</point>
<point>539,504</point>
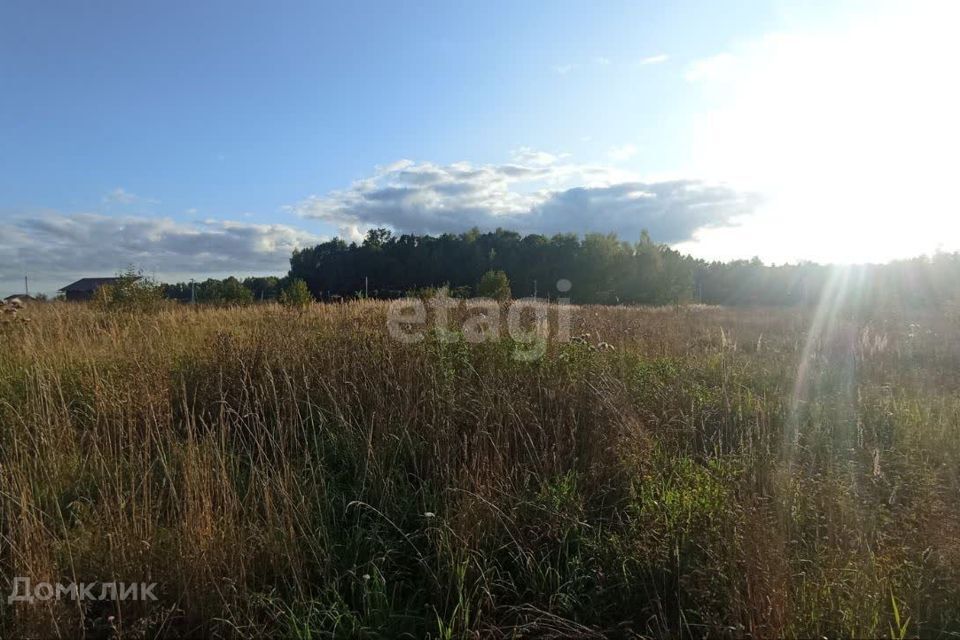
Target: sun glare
<point>851,134</point>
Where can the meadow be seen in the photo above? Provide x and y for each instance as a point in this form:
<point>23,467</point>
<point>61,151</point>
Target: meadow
<point>717,472</point>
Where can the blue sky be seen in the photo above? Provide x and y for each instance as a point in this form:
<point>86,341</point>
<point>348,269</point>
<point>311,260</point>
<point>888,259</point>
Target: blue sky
<point>205,138</point>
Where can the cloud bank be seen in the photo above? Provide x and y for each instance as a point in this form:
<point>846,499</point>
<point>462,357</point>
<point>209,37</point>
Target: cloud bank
<point>536,193</point>
<point>56,248</point>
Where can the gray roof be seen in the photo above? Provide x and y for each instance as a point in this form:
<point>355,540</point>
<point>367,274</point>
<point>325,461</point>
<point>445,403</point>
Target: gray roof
<point>89,284</point>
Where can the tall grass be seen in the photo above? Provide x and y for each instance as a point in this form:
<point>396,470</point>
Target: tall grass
<point>301,474</point>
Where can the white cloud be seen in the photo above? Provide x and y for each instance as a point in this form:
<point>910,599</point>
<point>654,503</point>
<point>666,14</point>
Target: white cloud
<point>713,68</point>
<point>121,196</point>
<point>55,248</point>
<point>535,193</point>
<point>657,59</point>
<point>526,155</point>
<point>564,69</point>
<point>622,152</point>
<point>602,60</point>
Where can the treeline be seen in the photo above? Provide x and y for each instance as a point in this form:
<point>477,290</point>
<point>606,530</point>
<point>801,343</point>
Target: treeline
<point>227,291</point>
<point>604,269</point>
<point>600,269</point>
<point>917,282</point>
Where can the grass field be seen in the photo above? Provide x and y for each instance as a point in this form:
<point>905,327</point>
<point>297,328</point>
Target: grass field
<point>740,473</point>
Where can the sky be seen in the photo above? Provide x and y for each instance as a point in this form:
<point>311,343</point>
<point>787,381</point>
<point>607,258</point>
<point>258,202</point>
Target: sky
<point>197,139</point>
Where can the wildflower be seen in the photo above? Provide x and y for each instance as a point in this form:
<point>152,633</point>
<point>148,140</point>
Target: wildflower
<point>429,514</point>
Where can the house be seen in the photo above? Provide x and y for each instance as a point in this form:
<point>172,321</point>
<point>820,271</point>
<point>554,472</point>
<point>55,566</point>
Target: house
<point>84,288</point>
<point>22,297</point>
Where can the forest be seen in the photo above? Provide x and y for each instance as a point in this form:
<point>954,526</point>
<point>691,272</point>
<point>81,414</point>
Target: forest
<point>602,269</point>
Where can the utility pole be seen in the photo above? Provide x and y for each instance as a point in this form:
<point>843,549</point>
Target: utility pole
<point>534,289</point>
<point>366,287</point>
<point>26,287</point>
<point>193,292</point>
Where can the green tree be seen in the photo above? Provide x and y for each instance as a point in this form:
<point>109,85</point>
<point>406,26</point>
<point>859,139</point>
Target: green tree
<point>130,292</point>
<point>296,294</point>
<point>228,292</point>
<point>263,288</point>
<point>494,284</point>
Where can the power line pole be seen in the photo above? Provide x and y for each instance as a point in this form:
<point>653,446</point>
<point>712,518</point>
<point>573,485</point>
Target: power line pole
<point>26,287</point>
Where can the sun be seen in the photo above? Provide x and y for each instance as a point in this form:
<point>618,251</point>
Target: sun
<point>850,134</point>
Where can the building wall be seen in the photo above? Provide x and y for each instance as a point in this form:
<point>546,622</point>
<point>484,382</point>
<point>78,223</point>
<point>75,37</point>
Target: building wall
<point>78,296</point>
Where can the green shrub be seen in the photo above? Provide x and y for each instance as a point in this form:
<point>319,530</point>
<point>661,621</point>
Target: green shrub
<point>494,284</point>
<point>131,292</point>
<point>296,294</point>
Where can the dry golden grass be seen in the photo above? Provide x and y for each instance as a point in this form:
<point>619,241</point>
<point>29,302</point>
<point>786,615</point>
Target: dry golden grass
<point>292,474</point>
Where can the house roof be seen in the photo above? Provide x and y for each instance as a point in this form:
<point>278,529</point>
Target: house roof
<point>18,296</point>
<point>89,284</point>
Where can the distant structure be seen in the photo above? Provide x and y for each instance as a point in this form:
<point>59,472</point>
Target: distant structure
<point>22,297</point>
<point>84,288</point>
